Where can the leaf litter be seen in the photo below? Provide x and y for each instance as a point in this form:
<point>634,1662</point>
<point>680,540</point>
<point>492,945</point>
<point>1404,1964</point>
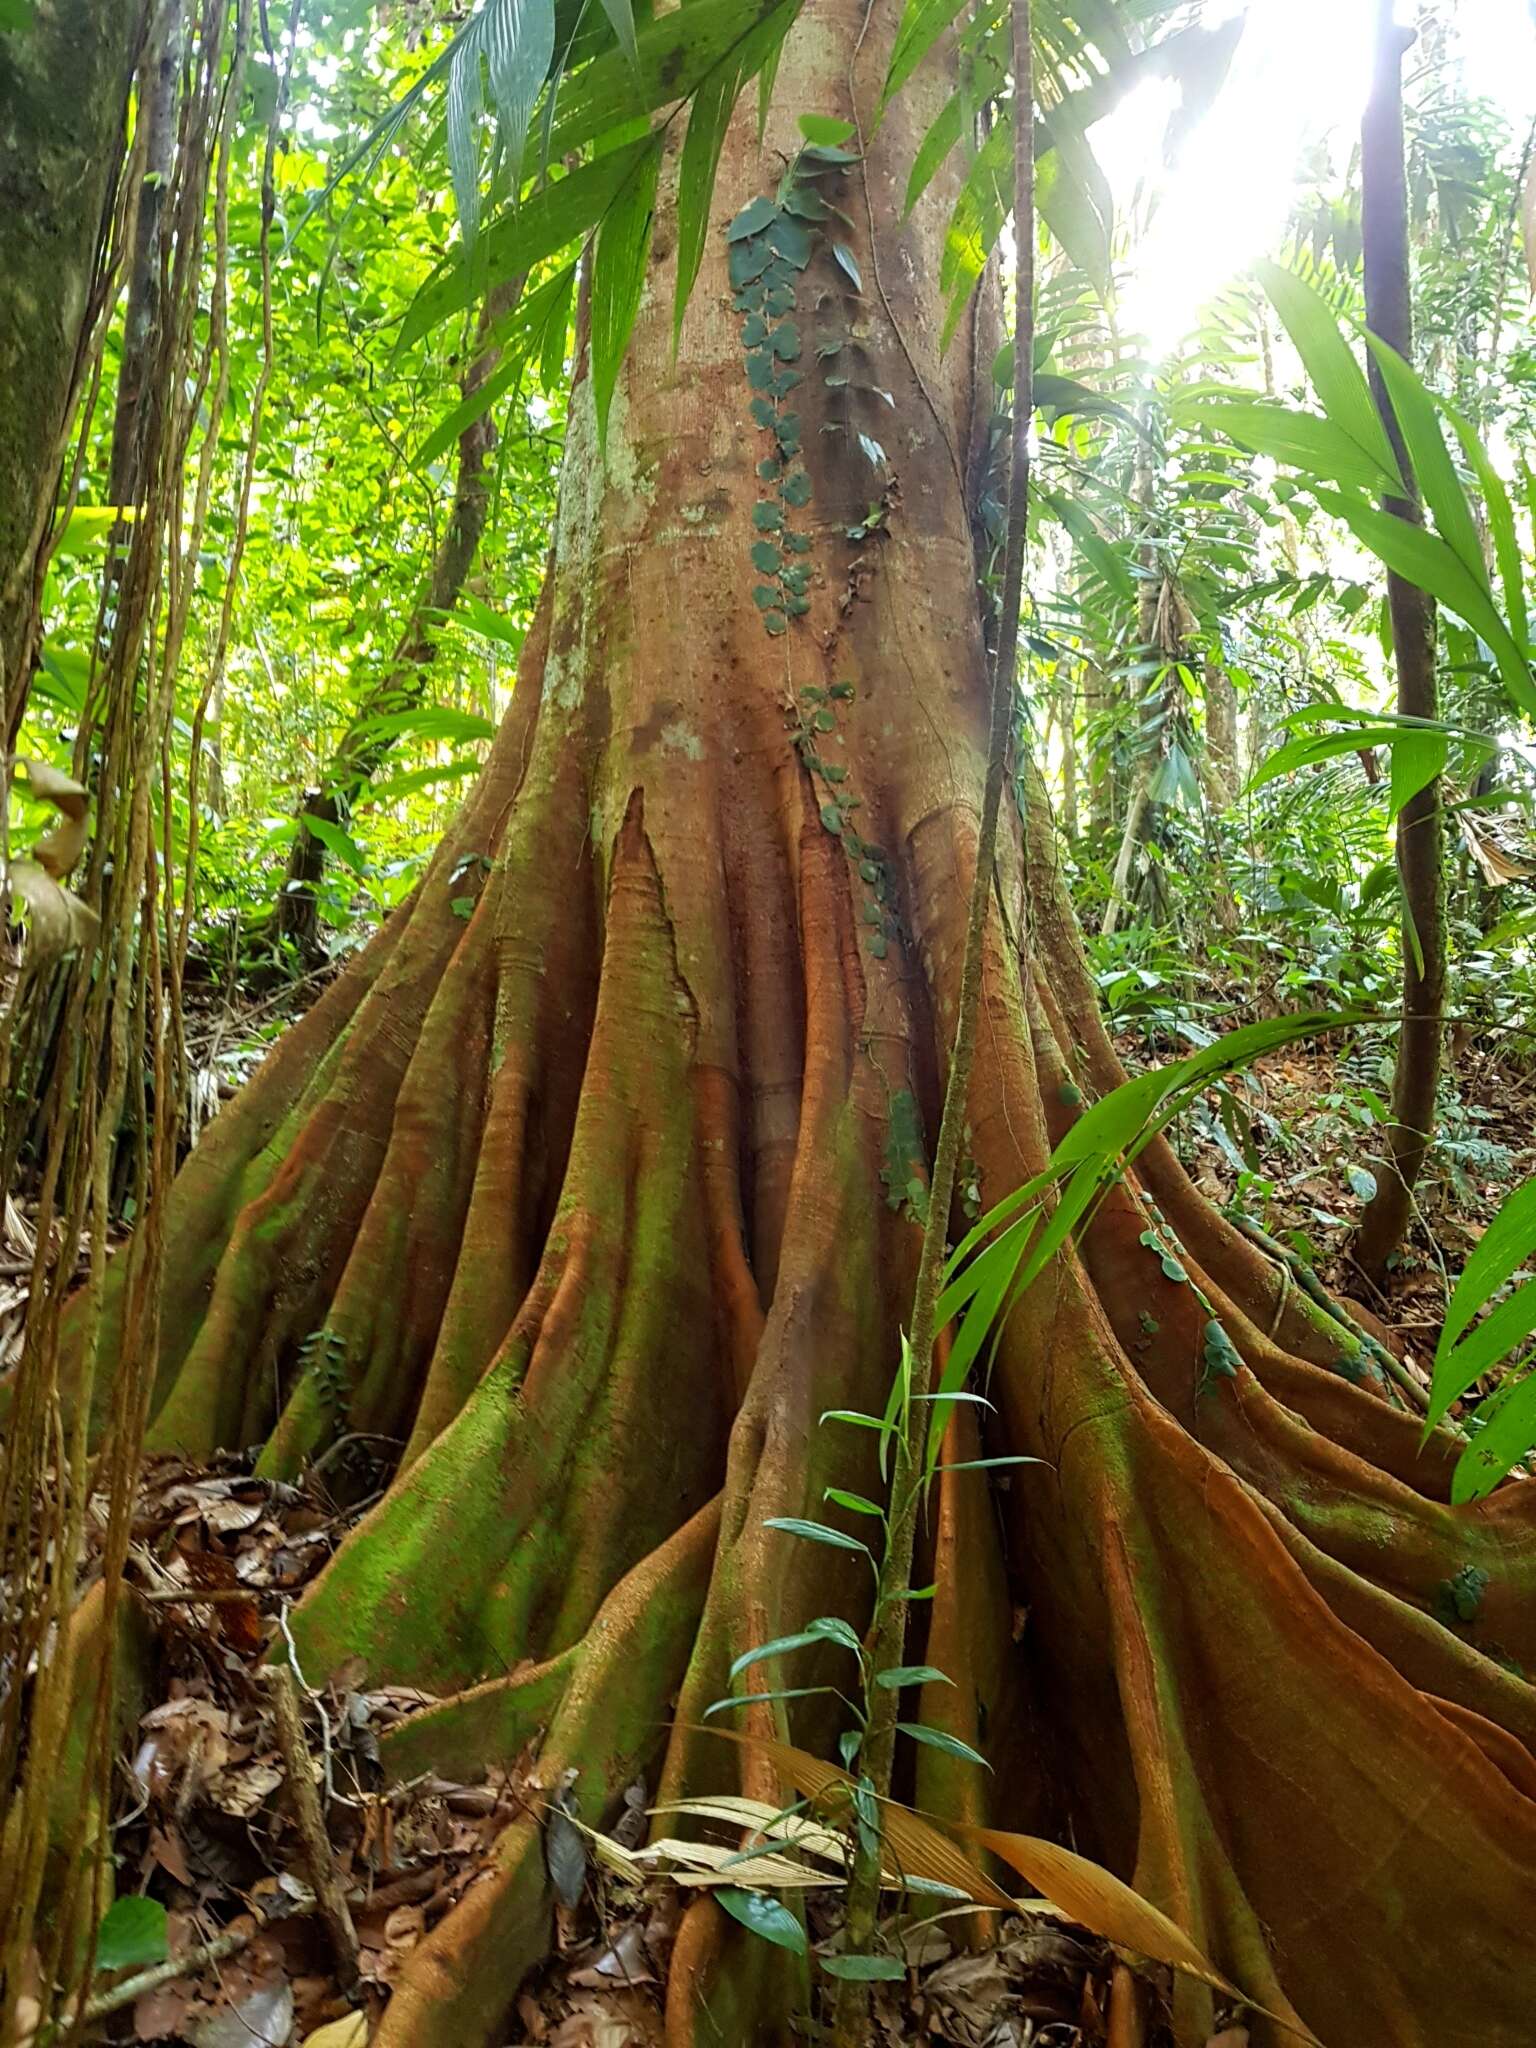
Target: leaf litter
<point>205,1827</point>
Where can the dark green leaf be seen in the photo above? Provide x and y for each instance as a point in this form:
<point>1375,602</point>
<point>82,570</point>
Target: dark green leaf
<point>1319,447</point>
<point>558,214</point>
<point>618,274</point>
<point>336,841</point>
<point>1435,473</point>
<point>1336,377</point>
<point>825,129</point>
<point>864,1969</point>
<point>922,24</point>
<point>132,1933</point>
<point>758,1699</point>
<point>1423,558</point>
<point>1507,1434</point>
<point>814,1532</point>
<point>766,1917</point>
<point>708,118</point>
<point>856,1503</point>
<point>754,217</point>
<point>950,1744</point>
<point>621,17</point>
<point>791,240</point>
<point>677,50</point>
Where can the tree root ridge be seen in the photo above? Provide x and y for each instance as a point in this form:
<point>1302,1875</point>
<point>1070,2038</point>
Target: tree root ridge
<point>1239,1680</point>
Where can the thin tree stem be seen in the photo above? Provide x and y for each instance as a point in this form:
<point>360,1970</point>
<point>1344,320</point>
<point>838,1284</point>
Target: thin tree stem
<point>888,1629</point>
<point>1420,857</point>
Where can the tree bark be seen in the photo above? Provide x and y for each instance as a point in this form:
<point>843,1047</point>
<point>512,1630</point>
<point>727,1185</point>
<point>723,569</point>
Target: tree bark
<point>64,82</point>
<point>589,1193</point>
<point>144,310</point>
<point>363,749</point>
<point>1221,733</point>
<point>1420,823</point>
<point>1066,733</point>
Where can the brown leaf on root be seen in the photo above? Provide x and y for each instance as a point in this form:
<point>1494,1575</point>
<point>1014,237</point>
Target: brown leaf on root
<point>1094,1897</point>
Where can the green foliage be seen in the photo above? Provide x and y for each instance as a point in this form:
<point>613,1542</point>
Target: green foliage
<point>132,1933</point>
<point>767,1917</point>
<point>602,89</point>
<point>1349,447</point>
<point>1494,1287</point>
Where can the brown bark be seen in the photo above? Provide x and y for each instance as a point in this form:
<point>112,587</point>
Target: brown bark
<point>1221,733</point>
<point>1420,824</point>
<point>362,749</point>
<point>1066,733</point>
<point>587,1190</point>
<point>146,279</point>
<point>1100,706</point>
<point>64,81</point>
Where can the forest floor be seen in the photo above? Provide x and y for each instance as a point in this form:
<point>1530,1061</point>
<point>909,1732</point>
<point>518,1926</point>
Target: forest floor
<point>204,1822</point>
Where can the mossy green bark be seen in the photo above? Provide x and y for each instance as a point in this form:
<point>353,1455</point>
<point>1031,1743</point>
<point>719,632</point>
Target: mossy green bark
<point>64,82</point>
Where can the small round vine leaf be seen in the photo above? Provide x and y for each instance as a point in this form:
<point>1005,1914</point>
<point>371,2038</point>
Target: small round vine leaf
<point>757,214</point>
<point>748,262</point>
<point>790,239</point>
<point>775,623</point>
<point>826,130</point>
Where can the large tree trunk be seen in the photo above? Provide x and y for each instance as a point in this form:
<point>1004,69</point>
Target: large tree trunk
<point>64,78</point>
<point>588,1192</point>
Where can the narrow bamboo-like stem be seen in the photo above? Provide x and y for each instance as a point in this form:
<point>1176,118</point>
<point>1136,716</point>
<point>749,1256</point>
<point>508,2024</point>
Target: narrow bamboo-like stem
<point>1420,855</point>
<point>888,1629</point>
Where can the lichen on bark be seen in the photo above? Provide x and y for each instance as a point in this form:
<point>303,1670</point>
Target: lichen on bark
<point>64,79</point>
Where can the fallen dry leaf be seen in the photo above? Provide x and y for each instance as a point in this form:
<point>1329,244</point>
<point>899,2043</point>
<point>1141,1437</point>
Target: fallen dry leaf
<point>351,2032</point>
<point>262,2019</point>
